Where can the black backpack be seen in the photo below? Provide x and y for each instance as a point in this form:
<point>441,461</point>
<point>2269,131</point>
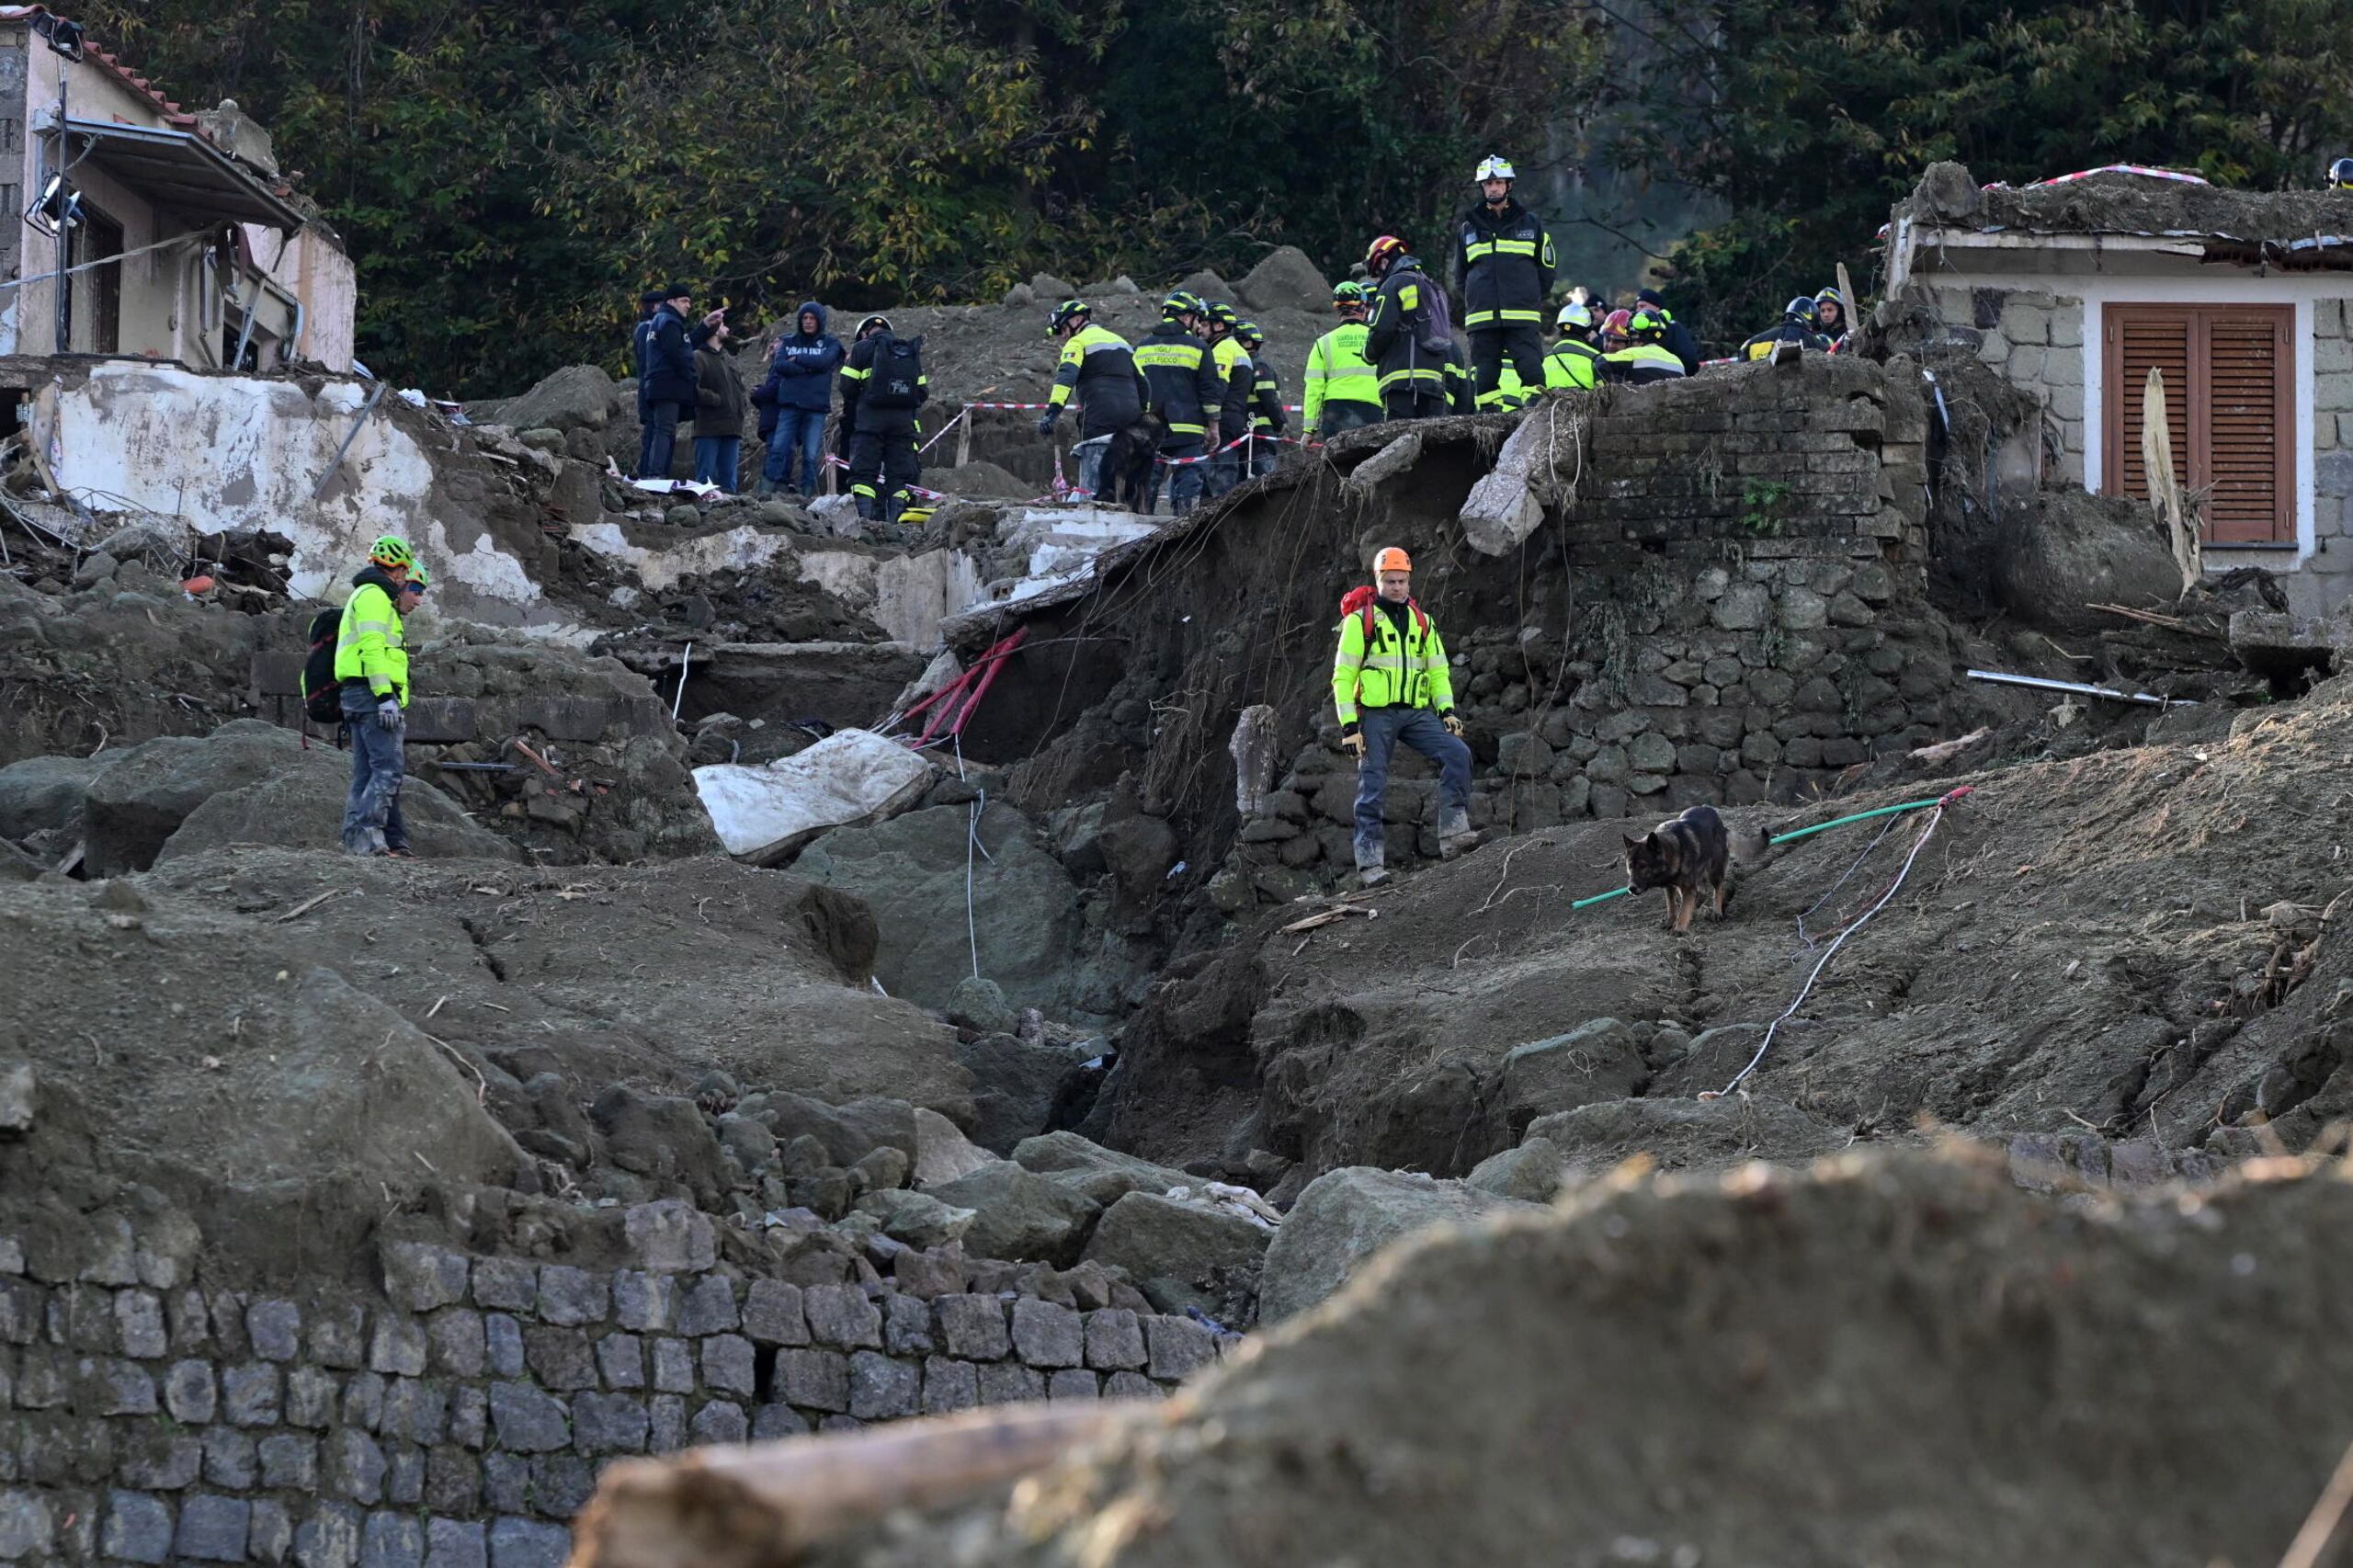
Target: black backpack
<point>894,380</point>
<point>321,693</point>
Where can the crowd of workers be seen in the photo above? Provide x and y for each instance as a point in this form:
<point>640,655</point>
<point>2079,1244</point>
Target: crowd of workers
<point>1201,379</point>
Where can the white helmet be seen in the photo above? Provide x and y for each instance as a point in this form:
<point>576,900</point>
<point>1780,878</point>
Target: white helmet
<point>1494,165</point>
<point>1573,315</point>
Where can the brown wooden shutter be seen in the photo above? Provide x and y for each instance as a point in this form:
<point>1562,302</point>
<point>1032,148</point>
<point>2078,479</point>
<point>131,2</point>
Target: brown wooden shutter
<point>2230,388</point>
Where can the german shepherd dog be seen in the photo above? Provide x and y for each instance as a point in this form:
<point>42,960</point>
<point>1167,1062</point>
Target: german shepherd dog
<point>1127,467</point>
<point>1683,855</point>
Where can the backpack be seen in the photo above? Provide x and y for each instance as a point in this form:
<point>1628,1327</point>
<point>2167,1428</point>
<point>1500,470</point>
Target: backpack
<point>894,380</point>
<point>322,692</point>
<point>1437,337</point>
<point>1359,601</point>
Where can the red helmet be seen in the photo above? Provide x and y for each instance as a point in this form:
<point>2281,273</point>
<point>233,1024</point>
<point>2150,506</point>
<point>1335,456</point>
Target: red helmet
<point>1381,252</point>
<point>1619,324</point>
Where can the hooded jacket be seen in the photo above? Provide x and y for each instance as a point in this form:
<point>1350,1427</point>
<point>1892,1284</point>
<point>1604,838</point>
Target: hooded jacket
<point>670,361</point>
<point>720,402</point>
<point>801,371</point>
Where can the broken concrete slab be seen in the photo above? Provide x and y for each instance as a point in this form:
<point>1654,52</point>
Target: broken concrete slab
<point>1505,505</point>
<point>1392,460</point>
<point>765,815</point>
<point>2276,644</point>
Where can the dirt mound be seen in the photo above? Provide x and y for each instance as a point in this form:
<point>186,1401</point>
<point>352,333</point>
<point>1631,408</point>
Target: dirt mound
<point>2132,941</point>
<point>1900,1360</point>
<point>2136,204</point>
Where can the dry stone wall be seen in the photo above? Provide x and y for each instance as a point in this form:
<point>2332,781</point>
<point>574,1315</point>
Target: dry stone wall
<point>458,1417</point>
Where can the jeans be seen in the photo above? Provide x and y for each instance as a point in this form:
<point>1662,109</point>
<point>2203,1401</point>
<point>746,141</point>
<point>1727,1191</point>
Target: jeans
<point>661,439</point>
<point>371,814</point>
<point>1525,346</point>
<point>801,431</point>
<point>1090,454</point>
<point>716,459</point>
<point>1184,478</point>
<point>1419,728</point>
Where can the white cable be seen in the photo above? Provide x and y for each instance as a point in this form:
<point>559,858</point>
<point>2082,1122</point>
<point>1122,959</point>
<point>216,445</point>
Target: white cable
<point>1831,952</point>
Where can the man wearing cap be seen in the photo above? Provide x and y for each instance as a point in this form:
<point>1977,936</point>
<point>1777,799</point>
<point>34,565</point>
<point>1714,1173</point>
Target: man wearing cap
<point>668,385</point>
<point>371,665</point>
<point>1390,683</point>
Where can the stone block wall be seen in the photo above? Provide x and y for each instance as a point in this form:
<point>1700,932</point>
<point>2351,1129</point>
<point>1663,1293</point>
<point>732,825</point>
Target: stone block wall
<point>2033,339</point>
<point>2326,576</point>
<point>459,1418</point>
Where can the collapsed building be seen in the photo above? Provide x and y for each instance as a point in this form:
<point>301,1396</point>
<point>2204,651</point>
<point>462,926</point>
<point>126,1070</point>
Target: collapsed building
<point>1052,1058</point>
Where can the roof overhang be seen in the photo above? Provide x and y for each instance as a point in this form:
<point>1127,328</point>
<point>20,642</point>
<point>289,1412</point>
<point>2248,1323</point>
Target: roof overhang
<point>178,170</point>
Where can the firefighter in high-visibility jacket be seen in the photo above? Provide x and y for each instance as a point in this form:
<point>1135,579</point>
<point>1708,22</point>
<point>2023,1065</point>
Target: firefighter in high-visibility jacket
<point>1390,683</point>
<point>1342,390</point>
<point>1183,387</point>
<point>1409,336</point>
<point>1573,361</point>
<point>1645,359</point>
<point>372,667</point>
<point>1218,322</point>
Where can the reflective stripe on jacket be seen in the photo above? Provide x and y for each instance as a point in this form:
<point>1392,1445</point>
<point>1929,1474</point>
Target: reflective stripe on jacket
<point>1337,372</point>
<point>1181,377</point>
<point>1505,263</point>
<point>1391,671</point>
<point>1641,362</point>
<point>1571,363</point>
<point>1265,399</point>
<point>1100,368</point>
<point>368,642</point>
<point>1400,314</point>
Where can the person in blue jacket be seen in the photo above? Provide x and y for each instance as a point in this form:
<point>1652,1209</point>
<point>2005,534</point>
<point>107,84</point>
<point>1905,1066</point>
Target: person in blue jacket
<point>795,398</point>
<point>669,383</point>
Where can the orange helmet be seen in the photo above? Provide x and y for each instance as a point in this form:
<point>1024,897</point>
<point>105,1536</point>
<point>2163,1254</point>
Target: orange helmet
<point>1619,324</point>
<point>1391,560</point>
<point>1382,252</point>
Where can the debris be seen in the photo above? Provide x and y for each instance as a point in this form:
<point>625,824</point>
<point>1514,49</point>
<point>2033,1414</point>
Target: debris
<point>765,816</point>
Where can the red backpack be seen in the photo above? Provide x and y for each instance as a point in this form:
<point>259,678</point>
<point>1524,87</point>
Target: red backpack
<point>1359,601</point>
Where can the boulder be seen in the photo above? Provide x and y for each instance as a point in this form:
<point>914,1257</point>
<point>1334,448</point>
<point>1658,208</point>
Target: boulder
<point>850,1132</point>
<point>1346,1216</point>
<point>942,1152</point>
<point>1019,1216</point>
<point>1285,280</point>
<point>576,397</point>
<point>137,803</point>
<point>912,870</point>
<point>1531,1173</point>
<point>45,792</point>
<point>1104,1175</point>
<point>661,1137</point>
<point>979,1005</point>
<point>1597,1060</point>
<point>1180,1255</point>
<point>915,1218</point>
<point>1014,1085</point>
<point>764,814</point>
<point>2063,550</point>
<point>1210,287</point>
<point>301,808</point>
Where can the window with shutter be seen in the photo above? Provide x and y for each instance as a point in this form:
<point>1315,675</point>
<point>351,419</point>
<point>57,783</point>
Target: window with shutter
<point>2230,385</point>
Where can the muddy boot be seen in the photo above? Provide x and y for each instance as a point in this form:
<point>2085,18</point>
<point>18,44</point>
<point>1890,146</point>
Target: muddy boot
<point>1456,838</point>
<point>1372,867</point>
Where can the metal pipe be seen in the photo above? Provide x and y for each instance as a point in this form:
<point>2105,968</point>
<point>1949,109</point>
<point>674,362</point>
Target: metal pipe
<point>353,435</point>
<point>2075,686</point>
<point>685,660</point>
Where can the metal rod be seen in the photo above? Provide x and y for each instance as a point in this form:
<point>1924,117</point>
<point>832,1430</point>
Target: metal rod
<point>2076,686</point>
<point>679,701</point>
<point>353,435</point>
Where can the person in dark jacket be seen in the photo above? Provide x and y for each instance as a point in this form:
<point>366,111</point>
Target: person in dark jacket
<point>669,383</point>
<point>1678,340</point>
<point>1098,369</point>
<point>1408,339</point>
<point>1266,422</point>
<point>1223,471</point>
<point>880,424</point>
<point>1646,358</point>
<point>639,337</point>
<point>1797,328</point>
<point>796,397</point>
<point>721,407</point>
<point>1504,261</point>
<point>1182,381</point>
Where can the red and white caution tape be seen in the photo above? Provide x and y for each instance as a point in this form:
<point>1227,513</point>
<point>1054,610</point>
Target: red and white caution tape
<point>961,414</point>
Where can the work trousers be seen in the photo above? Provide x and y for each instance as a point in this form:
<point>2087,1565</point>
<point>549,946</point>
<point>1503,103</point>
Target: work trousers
<point>1334,417</point>
<point>372,812</point>
<point>1419,728</point>
<point>1489,346</point>
<point>1266,454</point>
<point>661,439</point>
<point>881,465</point>
<point>1408,405</point>
<point>1184,479</point>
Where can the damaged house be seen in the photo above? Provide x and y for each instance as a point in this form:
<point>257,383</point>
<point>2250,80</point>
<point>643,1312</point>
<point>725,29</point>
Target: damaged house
<point>2073,290</point>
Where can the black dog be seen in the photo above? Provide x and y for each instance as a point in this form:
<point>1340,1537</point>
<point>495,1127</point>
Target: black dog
<point>1127,467</point>
<point>1683,855</point>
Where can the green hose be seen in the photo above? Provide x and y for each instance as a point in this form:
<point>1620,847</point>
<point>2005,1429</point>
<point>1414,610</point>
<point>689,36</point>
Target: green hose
<point>1786,839</point>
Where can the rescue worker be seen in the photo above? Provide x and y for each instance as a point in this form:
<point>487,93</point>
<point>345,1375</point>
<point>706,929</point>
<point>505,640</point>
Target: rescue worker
<point>1099,369</point>
<point>1503,263</point>
<point>1798,326</point>
<point>1266,420</point>
<point>1573,361</point>
<point>1218,321</point>
<point>1830,316</point>
<point>2340,174</point>
<point>1409,336</point>
<point>1342,389</point>
<point>879,423</point>
<point>1184,389</point>
<point>1678,340</point>
<point>1613,330</point>
<point>1390,683</point>
<point>1646,358</point>
<point>371,668</point>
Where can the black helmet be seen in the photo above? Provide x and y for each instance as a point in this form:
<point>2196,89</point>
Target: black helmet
<point>2340,174</point>
<point>1802,309</point>
<point>1222,315</point>
<point>1183,302</point>
<point>1249,333</point>
<point>1064,313</point>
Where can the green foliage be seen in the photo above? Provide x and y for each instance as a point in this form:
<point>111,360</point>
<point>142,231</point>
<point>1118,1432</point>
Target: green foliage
<point>1760,506</point>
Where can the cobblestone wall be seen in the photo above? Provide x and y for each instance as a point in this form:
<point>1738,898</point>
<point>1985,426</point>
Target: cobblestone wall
<point>2034,339</point>
<point>2331,562</point>
<point>459,1418</point>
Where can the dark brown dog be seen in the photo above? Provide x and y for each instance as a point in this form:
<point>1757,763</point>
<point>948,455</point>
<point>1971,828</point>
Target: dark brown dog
<point>1683,855</point>
<point>1127,467</point>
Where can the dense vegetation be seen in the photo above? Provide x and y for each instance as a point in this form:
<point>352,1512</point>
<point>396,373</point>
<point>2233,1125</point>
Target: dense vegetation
<point>509,176</point>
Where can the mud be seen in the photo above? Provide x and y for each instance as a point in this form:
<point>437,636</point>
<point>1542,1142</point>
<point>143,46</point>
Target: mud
<point>2133,204</point>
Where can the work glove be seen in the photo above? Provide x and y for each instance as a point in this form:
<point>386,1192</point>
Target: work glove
<point>388,714</point>
<point>1454,725</point>
<point>1352,737</point>
<point>1046,421</point>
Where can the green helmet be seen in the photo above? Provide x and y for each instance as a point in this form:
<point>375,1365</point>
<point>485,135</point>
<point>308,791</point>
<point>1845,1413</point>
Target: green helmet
<point>391,550</point>
<point>1351,293</point>
<point>418,578</point>
<point>1647,326</point>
